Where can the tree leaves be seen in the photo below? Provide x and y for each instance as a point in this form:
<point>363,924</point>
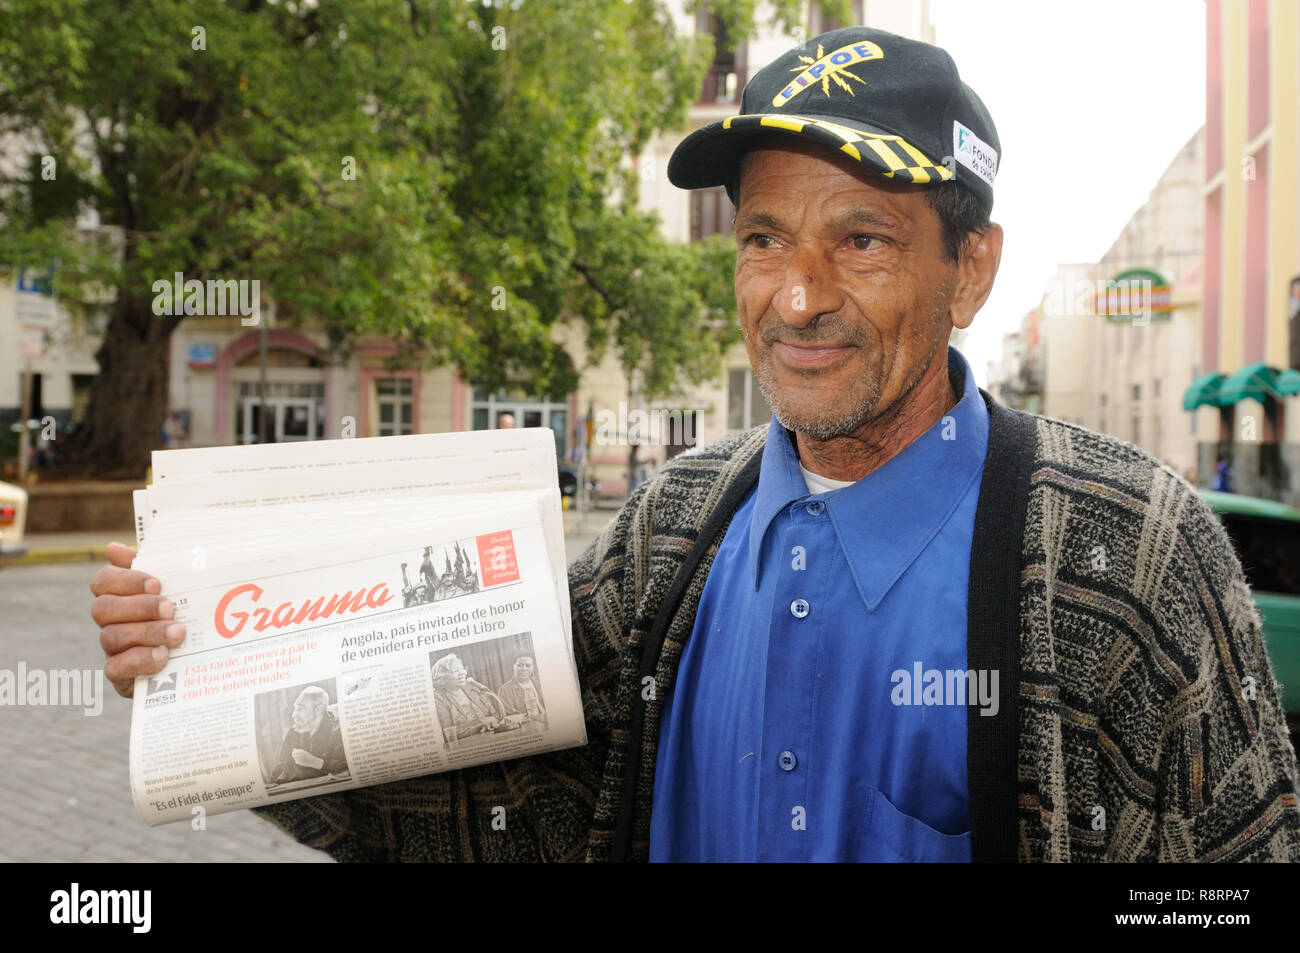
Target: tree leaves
<point>492,146</point>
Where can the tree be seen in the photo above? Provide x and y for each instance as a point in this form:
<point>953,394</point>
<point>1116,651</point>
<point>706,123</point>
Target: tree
<point>454,175</point>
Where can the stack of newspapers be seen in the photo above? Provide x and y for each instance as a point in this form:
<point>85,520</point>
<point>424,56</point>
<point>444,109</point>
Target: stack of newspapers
<point>356,612</point>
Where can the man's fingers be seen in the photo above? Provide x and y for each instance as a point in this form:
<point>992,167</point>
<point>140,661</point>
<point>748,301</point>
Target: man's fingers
<point>110,610</point>
<point>120,555</point>
<point>127,635</point>
<point>115,581</point>
<point>120,669</point>
<point>134,620</point>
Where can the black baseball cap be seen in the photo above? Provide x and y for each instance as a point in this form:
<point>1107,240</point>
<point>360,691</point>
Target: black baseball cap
<point>896,106</point>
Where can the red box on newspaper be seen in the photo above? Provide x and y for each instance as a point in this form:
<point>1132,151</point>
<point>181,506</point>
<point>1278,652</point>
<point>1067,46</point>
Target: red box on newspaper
<point>496,554</point>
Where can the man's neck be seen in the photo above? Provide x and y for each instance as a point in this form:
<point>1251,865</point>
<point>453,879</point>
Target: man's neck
<point>853,456</point>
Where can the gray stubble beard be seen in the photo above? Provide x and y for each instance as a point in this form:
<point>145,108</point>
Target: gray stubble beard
<point>865,410</point>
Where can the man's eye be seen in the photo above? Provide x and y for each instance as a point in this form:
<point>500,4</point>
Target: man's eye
<point>759,240</point>
<point>865,242</point>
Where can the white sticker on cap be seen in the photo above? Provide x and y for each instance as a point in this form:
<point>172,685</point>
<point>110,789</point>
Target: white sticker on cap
<point>974,153</point>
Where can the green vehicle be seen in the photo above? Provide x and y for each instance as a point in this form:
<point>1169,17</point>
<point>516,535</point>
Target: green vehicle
<point>1266,536</point>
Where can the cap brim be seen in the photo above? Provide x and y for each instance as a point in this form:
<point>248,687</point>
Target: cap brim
<point>709,156</point>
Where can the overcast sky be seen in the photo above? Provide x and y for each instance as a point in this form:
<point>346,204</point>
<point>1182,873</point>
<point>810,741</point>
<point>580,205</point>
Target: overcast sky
<point>1091,100</point>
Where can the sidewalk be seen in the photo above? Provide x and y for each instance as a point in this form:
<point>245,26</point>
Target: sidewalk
<point>47,548</point>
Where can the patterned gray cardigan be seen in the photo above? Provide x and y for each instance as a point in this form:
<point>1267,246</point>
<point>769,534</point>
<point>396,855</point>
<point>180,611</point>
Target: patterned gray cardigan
<point>1127,732</point>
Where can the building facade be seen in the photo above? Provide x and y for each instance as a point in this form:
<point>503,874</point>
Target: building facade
<point>1246,399</point>
<point>1125,374</point>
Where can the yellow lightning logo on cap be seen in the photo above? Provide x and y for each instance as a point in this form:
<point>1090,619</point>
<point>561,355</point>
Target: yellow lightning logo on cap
<point>825,67</point>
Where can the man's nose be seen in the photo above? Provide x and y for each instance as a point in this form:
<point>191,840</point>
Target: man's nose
<point>810,287</point>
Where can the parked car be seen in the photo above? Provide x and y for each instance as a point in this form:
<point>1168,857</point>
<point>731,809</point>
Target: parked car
<point>1266,536</point>
<point>13,517</point>
<point>569,480</point>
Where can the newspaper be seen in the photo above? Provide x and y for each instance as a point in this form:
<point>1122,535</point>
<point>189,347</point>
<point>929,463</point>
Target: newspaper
<point>356,612</point>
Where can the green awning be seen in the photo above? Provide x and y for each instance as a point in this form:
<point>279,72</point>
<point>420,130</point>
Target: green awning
<point>1253,382</point>
<point>1288,383</point>
<point>1204,391</point>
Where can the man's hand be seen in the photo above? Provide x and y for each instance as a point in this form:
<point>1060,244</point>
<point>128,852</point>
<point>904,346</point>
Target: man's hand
<point>303,757</point>
<point>133,620</point>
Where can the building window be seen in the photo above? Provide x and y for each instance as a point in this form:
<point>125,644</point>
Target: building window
<point>1155,387</point>
<point>512,407</point>
<point>711,213</point>
<point>1293,323</point>
<point>1137,430</point>
<point>1137,392</point>
<point>745,404</point>
<point>394,399</point>
<point>725,79</point>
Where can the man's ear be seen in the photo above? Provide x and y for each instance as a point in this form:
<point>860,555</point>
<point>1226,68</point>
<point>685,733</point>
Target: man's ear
<point>975,273</point>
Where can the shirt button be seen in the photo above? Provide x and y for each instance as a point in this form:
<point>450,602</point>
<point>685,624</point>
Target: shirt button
<point>799,608</point>
<point>815,507</point>
<point>787,760</point>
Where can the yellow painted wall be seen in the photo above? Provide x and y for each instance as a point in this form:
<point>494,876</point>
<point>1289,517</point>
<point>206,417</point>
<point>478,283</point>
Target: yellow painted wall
<point>1284,169</point>
<point>1235,83</point>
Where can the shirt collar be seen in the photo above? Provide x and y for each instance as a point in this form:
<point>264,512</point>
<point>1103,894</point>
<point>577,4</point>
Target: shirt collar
<point>926,481</point>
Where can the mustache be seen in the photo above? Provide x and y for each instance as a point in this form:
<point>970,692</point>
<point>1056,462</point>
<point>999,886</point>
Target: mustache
<point>818,331</point>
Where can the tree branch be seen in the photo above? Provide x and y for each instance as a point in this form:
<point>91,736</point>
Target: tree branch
<point>596,285</point>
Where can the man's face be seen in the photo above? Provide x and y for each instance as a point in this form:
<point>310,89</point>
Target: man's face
<point>842,286</point>
<point>306,714</point>
<point>523,669</point>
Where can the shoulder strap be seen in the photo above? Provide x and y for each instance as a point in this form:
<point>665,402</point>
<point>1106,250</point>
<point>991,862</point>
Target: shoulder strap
<point>993,631</point>
<point>732,497</point>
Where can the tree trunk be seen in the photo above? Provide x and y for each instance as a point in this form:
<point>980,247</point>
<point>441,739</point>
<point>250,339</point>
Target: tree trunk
<point>128,397</point>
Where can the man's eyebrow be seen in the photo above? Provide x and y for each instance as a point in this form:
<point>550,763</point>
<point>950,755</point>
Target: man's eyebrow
<point>853,218</point>
<point>862,218</point>
<point>760,220</point>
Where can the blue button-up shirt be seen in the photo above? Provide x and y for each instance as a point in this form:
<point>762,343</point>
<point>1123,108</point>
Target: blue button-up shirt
<point>820,706</point>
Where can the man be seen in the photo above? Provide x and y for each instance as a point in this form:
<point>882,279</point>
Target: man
<point>427,574</point>
<point>521,694</point>
<point>313,745</point>
<point>1222,476</point>
<point>877,628</point>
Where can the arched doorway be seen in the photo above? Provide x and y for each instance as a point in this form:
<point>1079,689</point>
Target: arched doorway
<point>294,401</point>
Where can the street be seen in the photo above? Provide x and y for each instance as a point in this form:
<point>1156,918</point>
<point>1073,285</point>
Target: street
<point>64,794</point>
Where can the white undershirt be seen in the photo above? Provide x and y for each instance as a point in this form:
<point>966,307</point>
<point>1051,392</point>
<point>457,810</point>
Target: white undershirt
<point>820,484</point>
